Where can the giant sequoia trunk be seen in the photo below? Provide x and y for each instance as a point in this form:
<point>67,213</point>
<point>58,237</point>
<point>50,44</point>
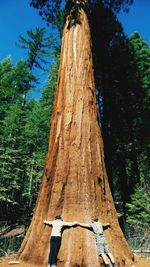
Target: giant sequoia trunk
<point>75,183</point>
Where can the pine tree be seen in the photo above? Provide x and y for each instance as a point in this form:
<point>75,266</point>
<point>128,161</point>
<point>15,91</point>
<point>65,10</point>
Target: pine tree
<point>14,83</point>
<point>36,130</point>
<point>7,90</point>
<point>36,46</point>
<point>139,208</point>
<point>12,164</point>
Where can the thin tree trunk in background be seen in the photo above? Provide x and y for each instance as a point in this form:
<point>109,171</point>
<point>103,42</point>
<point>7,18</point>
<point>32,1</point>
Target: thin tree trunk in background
<point>124,180</point>
<point>75,183</point>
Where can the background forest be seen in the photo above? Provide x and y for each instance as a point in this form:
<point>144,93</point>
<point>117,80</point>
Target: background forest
<point>122,75</point>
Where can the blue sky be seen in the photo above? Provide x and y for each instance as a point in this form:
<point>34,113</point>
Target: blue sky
<point>16,17</point>
<point>138,19</point>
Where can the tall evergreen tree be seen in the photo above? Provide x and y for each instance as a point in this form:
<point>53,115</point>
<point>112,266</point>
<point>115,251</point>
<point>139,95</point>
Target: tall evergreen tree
<point>74,180</point>
<point>21,126</point>
<point>7,90</point>
<point>36,130</point>
<point>36,46</point>
<point>14,81</point>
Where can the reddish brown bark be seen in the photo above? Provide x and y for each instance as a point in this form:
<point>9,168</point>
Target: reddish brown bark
<point>75,183</point>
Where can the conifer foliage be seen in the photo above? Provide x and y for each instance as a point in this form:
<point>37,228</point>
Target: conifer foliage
<point>23,132</point>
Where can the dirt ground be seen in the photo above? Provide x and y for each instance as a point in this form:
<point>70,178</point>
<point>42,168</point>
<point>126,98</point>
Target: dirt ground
<point>5,262</point>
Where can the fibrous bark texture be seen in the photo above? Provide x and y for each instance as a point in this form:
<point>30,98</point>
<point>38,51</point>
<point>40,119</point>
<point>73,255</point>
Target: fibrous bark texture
<point>75,183</point>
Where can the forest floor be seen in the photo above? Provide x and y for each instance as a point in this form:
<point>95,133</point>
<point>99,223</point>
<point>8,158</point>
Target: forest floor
<point>10,261</point>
